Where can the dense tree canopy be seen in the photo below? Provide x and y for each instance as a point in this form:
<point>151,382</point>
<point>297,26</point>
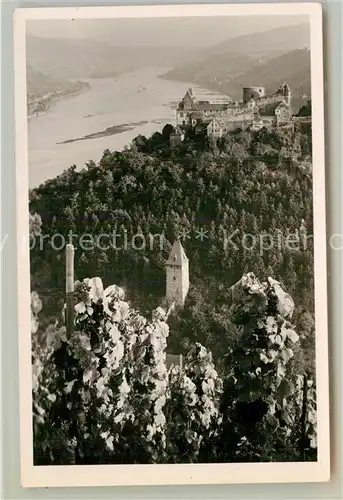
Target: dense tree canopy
<point>246,391</point>
<point>305,110</point>
<point>248,194</point>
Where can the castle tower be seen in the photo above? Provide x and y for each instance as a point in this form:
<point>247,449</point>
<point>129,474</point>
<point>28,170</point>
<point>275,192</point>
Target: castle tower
<point>286,93</point>
<point>177,283</point>
<point>253,92</point>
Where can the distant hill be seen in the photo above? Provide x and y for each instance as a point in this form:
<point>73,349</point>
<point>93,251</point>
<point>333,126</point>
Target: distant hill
<point>217,70</point>
<point>293,67</point>
<point>259,58</point>
<point>82,58</point>
<point>40,84</point>
<point>68,59</point>
<point>42,88</point>
<point>276,40</point>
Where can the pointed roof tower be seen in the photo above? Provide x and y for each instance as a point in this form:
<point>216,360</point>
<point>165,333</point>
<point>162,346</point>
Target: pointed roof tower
<point>284,89</point>
<point>177,255</point>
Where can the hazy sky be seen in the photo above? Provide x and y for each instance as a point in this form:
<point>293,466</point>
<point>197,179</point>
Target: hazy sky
<point>171,31</point>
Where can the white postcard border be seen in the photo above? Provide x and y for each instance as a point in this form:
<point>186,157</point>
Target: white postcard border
<point>178,474</point>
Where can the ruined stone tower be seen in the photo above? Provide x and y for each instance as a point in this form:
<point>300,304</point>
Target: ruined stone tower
<point>177,283</point>
<point>285,92</point>
<point>253,92</point>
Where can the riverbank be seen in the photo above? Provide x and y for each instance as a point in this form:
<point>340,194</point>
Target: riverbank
<point>109,115</point>
<point>43,104</point>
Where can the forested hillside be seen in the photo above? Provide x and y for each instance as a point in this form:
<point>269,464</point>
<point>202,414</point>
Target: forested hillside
<point>254,186</point>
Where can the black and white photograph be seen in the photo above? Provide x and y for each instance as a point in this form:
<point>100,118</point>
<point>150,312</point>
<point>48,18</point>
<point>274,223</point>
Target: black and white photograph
<point>174,205</point>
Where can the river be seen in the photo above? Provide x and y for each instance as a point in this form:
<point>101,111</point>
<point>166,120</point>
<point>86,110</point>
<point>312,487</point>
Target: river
<point>135,103</point>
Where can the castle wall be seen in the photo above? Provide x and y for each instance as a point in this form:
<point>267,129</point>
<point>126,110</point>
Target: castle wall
<point>235,115</point>
<point>183,117</point>
<point>230,123</point>
<point>234,110</point>
<point>215,112</point>
<point>234,125</point>
<point>253,92</point>
<point>264,101</point>
<point>283,114</point>
<point>241,117</point>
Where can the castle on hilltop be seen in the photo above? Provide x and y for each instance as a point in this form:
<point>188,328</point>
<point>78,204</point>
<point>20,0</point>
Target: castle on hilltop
<point>177,275</point>
<point>217,114</point>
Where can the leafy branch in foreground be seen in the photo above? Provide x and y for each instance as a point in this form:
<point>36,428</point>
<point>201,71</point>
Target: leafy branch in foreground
<point>263,394</point>
<point>104,394</point>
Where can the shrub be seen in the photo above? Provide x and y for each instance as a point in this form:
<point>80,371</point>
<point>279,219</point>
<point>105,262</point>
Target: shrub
<point>103,394</point>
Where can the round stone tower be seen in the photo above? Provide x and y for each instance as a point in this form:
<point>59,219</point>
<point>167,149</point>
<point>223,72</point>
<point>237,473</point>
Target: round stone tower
<point>253,92</point>
<point>177,279</point>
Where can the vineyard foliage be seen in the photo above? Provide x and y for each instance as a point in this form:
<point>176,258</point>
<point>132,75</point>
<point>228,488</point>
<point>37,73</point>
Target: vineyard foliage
<point>246,388</point>
<point>104,394</point>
